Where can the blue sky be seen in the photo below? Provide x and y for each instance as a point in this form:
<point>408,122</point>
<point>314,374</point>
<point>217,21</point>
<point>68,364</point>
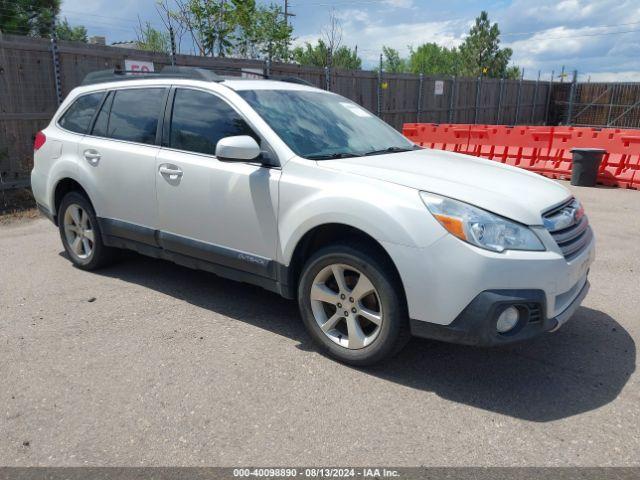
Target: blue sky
<point>599,38</point>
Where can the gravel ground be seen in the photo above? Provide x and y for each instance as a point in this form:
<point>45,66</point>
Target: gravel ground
<point>148,363</point>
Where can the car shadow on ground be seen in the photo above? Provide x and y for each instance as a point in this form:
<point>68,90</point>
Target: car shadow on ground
<point>581,367</point>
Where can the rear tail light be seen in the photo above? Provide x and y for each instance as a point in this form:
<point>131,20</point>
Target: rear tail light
<point>39,140</point>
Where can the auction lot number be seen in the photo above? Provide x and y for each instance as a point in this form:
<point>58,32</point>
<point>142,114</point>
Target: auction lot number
<point>315,472</point>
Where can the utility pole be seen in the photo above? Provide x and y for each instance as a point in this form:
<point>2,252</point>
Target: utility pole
<point>287,14</point>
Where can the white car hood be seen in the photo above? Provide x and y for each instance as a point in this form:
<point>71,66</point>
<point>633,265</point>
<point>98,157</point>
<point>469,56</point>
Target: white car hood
<point>508,191</point>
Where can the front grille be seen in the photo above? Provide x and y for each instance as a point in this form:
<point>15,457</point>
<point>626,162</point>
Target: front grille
<point>569,227</point>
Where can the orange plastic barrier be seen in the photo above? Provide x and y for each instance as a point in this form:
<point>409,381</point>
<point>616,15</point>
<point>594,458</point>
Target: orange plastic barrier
<point>545,150</point>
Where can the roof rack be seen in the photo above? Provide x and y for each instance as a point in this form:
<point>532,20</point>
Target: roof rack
<point>298,80</point>
<point>192,73</point>
<point>288,79</point>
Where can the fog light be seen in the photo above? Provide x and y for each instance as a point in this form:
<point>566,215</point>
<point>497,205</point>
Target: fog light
<point>508,319</point>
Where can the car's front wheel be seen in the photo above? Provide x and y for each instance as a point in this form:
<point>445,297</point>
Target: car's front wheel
<point>80,233</point>
<point>352,304</point>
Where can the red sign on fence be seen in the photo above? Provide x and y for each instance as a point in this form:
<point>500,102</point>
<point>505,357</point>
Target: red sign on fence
<point>135,66</point>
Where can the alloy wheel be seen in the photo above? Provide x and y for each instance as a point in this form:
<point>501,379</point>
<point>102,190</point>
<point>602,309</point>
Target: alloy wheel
<point>346,306</point>
<point>78,231</point>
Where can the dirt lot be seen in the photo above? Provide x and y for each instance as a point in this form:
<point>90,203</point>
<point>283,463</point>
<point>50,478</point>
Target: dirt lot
<point>147,363</point>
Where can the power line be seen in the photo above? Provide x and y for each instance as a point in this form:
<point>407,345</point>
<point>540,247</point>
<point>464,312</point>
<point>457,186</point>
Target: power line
<point>509,34</point>
<point>591,35</point>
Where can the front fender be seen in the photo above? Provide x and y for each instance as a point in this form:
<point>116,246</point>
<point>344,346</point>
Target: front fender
<point>389,213</point>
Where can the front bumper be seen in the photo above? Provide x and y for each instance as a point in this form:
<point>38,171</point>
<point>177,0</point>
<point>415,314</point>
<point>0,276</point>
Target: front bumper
<point>451,285</point>
<point>476,324</point>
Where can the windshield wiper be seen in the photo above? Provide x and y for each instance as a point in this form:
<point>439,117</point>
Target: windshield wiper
<point>332,156</point>
<point>391,150</point>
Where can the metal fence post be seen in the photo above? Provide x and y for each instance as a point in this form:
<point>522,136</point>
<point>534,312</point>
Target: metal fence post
<point>419,109</point>
<point>475,109</point>
<point>267,68</point>
<point>535,99</point>
<point>327,78</point>
<point>548,105</point>
<point>499,112</point>
<point>55,55</point>
<point>572,94</point>
<point>379,91</point>
<point>519,97</point>
<point>611,96</point>
<point>452,98</point>
<point>173,45</point>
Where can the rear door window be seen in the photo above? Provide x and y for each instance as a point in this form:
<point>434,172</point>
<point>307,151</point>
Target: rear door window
<point>135,113</point>
<point>78,116</point>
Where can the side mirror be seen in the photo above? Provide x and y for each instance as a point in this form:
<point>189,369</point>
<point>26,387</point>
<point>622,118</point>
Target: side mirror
<point>241,148</point>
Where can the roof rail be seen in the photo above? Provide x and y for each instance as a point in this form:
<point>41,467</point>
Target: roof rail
<point>103,76</point>
<point>298,80</point>
<point>193,73</point>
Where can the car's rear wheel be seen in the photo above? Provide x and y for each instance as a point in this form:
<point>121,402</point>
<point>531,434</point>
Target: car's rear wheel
<point>80,233</point>
<point>352,304</point>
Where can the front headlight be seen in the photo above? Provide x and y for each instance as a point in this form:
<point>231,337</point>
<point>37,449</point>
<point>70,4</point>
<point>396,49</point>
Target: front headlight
<point>479,227</point>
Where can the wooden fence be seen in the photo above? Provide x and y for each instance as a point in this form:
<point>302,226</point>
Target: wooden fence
<point>29,91</point>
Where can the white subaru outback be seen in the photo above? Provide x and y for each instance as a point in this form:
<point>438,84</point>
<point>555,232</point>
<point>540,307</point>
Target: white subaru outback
<point>305,193</point>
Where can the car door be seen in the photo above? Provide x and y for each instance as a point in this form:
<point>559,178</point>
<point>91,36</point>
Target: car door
<point>119,156</point>
<point>220,212</point>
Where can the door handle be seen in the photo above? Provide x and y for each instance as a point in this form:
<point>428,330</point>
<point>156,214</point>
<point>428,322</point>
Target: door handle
<point>172,172</point>
<point>92,156</point>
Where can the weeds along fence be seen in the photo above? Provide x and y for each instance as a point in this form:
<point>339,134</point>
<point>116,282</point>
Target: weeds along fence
<point>36,74</point>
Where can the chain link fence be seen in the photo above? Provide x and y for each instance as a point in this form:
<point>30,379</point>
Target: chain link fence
<point>613,105</point>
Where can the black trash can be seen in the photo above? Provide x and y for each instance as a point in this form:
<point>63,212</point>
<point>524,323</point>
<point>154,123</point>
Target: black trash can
<point>586,162</point>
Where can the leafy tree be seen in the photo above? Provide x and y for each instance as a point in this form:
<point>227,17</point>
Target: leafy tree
<point>235,27</point>
<point>64,31</point>
<point>211,23</point>
<point>433,59</point>
<point>152,39</point>
<point>267,35</point>
<point>392,62</point>
<point>480,53</point>
<point>346,58</point>
<point>319,55</point>
<point>329,51</point>
<point>28,17</point>
<point>513,72</point>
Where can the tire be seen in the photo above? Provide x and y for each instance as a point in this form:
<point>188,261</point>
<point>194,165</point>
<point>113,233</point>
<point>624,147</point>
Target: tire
<point>83,245</point>
<point>318,289</point>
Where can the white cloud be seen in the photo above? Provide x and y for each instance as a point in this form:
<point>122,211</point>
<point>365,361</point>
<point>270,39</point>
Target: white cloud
<point>371,38</point>
<point>631,76</point>
<point>370,32</point>
<point>399,3</point>
<point>581,34</point>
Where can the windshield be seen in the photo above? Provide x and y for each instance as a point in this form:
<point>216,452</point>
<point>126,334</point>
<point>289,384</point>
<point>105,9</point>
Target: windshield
<point>320,125</point>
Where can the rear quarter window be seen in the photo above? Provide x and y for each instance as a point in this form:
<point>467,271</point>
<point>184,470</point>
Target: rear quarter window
<point>78,116</point>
